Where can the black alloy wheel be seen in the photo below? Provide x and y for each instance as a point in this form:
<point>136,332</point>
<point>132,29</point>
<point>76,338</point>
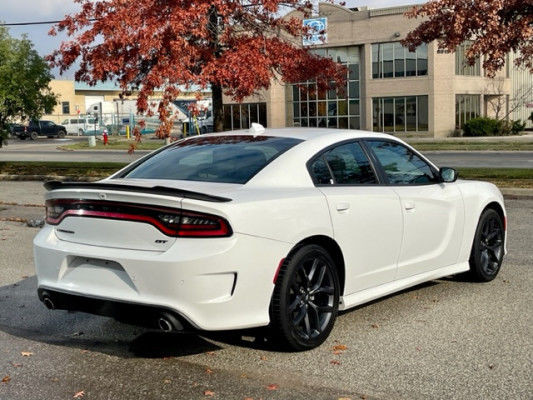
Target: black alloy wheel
<point>488,248</point>
<point>306,299</point>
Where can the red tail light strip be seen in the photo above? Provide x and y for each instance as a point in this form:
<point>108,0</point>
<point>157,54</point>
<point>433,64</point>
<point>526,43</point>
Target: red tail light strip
<point>214,226</point>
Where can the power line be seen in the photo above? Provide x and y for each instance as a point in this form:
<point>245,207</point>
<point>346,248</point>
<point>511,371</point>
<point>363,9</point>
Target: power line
<point>36,23</point>
<point>29,23</point>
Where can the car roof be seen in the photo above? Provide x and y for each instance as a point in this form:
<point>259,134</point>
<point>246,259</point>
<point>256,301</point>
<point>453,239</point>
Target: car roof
<point>307,134</point>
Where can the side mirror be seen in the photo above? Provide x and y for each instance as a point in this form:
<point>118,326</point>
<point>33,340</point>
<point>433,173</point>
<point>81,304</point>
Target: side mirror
<point>448,175</point>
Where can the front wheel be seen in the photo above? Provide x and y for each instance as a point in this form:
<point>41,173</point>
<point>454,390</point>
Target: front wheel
<point>488,247</point>
<point>34,135</point>
<point>306,299</point>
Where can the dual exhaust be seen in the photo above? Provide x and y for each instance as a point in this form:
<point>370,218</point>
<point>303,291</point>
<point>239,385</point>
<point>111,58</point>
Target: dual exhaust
<point>164,321</point>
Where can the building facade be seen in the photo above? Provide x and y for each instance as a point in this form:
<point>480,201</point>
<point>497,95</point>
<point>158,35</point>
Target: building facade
<point>389,89</point>
<point>76,98</point>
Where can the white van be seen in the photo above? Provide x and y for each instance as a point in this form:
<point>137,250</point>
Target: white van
<point>80,125</point>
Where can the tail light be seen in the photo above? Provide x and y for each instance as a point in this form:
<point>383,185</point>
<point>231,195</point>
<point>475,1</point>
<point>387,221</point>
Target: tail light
<point>172,222</point>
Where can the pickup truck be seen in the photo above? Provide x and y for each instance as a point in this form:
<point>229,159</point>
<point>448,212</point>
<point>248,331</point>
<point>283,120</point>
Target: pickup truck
<point>41,128</point>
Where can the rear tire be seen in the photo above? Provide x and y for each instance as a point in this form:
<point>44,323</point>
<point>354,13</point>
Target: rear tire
<point>34,135</point>
<point>488,248</point>
<point>81,132</point>
<point>305,302</point>
<point>61,134</point>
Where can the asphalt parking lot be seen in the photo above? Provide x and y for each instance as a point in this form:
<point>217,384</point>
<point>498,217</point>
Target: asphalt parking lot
<point>448,339</point>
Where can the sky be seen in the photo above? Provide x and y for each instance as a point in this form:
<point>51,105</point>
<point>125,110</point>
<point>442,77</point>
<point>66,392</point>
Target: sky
<point>12,11</point>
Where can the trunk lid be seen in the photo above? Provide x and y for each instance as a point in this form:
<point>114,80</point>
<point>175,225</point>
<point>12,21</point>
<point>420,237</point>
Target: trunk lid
<point>123,213</point>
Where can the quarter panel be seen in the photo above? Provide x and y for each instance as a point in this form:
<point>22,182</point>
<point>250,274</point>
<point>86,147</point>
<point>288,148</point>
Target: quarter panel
<point>477,196</point>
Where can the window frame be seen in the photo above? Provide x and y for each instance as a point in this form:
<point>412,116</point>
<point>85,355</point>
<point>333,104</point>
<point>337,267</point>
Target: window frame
<point>383,175</point>
<point>334,183</point>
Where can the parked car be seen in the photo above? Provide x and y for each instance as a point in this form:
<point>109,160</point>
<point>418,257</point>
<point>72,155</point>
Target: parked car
<point>283,227</point>
<point>42,128</point>
<point>15,129</point>
<point>80,125</point>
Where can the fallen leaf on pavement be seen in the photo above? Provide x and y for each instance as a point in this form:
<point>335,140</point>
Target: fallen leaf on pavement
<point>375,326</point>
<point>166,381</point>
<point>209,393</point>
<point>335,362</point>
<point>16,365</point>
<point>79,395</point>
<point>26,353</point>
<point>337,352</point>
<point>273,386</point>
<point>339,347</point>
<point>263,358</point>
<point>211,353</point>
<point>344,398</point>
<point>6,379</point>
<point>491,366</point>
<point>209,370</point>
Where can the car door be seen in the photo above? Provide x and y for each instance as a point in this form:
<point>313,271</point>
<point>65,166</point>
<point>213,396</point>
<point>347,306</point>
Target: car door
<point>47,128</point>
<point>366,216</point>
<point>433,211</point>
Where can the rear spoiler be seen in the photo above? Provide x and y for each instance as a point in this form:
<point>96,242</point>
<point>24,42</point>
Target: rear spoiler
<point>161,190</point>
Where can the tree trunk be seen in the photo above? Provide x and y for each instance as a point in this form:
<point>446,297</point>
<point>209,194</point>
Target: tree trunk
<point>218,109</point>
<point>216,89</point>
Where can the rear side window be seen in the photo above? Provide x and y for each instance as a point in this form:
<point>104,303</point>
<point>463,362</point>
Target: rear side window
<point>225,159</point>
<point>348,163</point>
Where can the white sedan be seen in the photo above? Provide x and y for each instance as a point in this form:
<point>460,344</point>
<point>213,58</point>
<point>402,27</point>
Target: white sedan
<point>283,227</point>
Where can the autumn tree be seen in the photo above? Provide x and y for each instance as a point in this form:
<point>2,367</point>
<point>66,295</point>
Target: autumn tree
<point>495,27</point>
<point>24,82</point>
<point>231,47</point>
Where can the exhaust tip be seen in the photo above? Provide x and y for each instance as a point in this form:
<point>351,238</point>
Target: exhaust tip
<point>47,301</point>
<point>165,325</point>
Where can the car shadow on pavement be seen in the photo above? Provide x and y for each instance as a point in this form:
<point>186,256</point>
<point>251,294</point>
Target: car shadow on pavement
<point>22,315</point>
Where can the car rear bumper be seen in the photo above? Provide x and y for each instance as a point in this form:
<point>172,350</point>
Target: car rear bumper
<point>213,284</point>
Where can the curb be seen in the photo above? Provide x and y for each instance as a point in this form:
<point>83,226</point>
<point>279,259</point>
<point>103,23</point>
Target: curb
<point>508,193</point>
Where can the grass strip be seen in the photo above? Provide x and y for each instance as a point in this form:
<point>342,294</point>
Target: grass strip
<point>502,177</point>
<point>472,146</point>
<point>60,168</point>
<point>115,145</point>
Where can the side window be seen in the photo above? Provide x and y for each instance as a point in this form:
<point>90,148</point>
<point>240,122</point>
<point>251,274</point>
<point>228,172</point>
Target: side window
<point>350,165</point>
<point>401,165</point>
<point>320,172</point>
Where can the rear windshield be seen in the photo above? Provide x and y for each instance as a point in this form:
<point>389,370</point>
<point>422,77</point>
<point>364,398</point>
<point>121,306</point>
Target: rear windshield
<point>227,159</point>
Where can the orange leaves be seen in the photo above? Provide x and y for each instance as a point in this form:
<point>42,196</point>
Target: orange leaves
<point>26,353</point>
<point>272,386</point>
<point>497,26</point>
<point>209,393</point>
<point>6,379</point>
<point>340,347</point>
<point>79,395</point>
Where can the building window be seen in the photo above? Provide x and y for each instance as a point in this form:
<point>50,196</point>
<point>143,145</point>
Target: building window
<point>241,116</point>
<point>461,64</point>
<point>400,114</point>
<point>65,106</point>
<point>467,106</point>
<point>334,108</point>
<point>392,60</point>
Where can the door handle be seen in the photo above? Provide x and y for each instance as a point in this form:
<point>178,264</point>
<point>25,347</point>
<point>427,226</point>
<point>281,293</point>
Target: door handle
<point>343,206</point>
<point>409,205</point>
